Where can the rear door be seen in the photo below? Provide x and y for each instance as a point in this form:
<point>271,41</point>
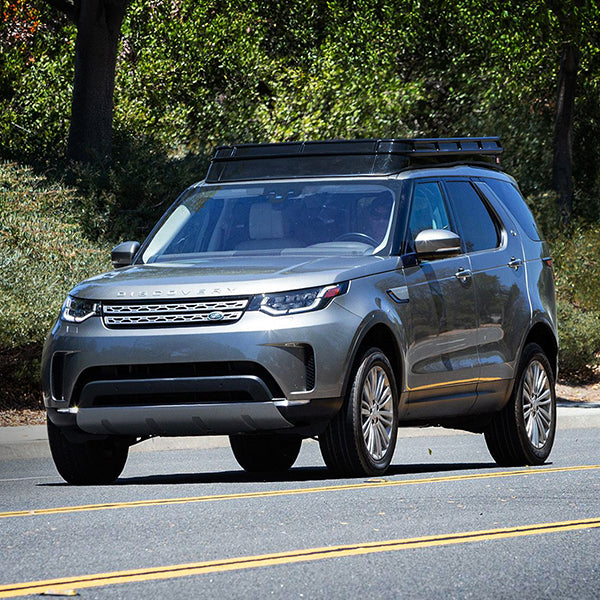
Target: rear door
<point>496,257</point>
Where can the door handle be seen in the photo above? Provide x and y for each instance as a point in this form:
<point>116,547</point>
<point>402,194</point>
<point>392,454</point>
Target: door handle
<point>515,263</point>
<point>463,275</point>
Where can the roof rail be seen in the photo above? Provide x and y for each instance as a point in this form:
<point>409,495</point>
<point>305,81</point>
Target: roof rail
<point>344,157</point>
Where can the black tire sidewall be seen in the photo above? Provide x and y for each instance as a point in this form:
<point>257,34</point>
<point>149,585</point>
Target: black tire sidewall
<point>265,453</point>
<point>370,358</point>
<point>93,462</point>
<point>535,455</point>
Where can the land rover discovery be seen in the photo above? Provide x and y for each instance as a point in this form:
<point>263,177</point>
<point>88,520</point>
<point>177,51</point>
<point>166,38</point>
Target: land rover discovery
<point>337,290</point>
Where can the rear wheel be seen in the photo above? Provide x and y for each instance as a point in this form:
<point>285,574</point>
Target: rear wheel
<point>90,462</point>
<point>522,433</point>
<point>361,439</point>
<point>265,453</point>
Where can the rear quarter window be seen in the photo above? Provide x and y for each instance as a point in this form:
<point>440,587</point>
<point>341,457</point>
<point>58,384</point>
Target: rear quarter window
<point>512,199</point>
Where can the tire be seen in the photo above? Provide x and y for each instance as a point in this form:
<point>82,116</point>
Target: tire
<point>93,462</point>
<point>265,453</point>
<point>361,439</point>
<point>522,433</point>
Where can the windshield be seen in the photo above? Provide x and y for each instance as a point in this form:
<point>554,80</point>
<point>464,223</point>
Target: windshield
<point>277,218</point>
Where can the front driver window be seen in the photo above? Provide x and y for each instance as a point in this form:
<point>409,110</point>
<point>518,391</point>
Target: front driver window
<point>428,210</point>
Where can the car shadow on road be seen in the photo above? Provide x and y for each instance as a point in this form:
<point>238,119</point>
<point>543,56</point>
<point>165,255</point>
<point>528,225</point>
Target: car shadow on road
<point>298,474</point>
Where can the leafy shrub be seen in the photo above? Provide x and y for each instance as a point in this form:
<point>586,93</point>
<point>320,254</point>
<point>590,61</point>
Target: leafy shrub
<point>36,73</point>
<point>544,206</point>
<point>43,253</point>
<point>579,333</point>
<point>577,267</point>
<point>577,261</point>
<point>124,200</point>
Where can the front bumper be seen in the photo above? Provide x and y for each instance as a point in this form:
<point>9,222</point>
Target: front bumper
<point>261,373</point>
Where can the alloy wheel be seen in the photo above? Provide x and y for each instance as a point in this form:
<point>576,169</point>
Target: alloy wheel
<point>377,415</point>
<point>537,404</point>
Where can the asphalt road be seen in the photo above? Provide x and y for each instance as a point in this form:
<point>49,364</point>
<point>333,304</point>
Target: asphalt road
<point>446,522</point>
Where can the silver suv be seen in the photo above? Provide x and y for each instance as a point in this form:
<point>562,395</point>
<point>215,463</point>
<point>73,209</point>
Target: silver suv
<point>334,289</point>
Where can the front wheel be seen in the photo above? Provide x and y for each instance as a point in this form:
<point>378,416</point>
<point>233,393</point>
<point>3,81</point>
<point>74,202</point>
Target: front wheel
<point>92,462</point>
<point>265,453</point>
<point>522,433</point>
<point>361,439</point>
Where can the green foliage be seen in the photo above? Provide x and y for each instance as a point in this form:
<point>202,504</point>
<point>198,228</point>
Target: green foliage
<point>194,74</point>
<point>42,254</point>
<point>577,266</point>
<point>36,71</point>
<point>576,254</point>
<point>190,74</point>
<point>544,207</point>
<point>125,199</point>
<point>577,259</point>
<point>579,333</point>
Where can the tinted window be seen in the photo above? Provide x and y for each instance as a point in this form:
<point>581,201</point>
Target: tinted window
<point>428,209</point>
<point>512,199</point>
<point>479,231</point>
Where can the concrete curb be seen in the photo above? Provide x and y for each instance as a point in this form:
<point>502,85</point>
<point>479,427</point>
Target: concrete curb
<point>32,442</point>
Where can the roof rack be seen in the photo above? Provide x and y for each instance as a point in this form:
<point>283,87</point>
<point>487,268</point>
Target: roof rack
<point>345,157</point>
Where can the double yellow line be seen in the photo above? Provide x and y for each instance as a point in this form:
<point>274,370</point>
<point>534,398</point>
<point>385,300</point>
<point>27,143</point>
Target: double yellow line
<point>376,483</point>
<point>66,584</point>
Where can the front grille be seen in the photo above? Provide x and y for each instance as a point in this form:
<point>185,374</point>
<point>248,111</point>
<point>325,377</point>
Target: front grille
<point>163,314</point>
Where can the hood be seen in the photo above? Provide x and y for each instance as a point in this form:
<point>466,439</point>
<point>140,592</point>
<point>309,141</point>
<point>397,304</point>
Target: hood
<point>230,276</point>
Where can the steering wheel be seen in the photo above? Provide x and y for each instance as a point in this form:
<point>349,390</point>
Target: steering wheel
<point>357,236</point>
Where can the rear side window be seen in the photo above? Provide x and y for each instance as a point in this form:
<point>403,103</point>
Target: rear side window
<point>512,199</point>
<point>479,230</point>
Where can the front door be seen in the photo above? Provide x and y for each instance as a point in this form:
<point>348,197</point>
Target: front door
<point>440,318</point>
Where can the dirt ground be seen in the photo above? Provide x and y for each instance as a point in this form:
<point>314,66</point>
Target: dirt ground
<point>589,392</point>
<point>566,393</point>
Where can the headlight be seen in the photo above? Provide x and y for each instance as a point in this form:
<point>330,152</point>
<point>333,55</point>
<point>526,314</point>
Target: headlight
<point>76,310</point>
<point>298,301</point>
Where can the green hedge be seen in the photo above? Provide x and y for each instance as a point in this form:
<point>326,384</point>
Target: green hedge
<point>43,253</point>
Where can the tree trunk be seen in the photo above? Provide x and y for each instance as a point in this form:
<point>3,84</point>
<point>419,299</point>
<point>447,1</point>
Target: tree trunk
<point>98,27</point>
<point>562,165</point>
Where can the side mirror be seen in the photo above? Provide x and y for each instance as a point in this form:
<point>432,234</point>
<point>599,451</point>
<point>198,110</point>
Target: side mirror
<point>437,243</point>
<point>123,254</point>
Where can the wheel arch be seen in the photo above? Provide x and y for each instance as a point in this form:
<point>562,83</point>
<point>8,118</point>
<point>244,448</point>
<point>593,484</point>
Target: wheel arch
<point>542,335</point>
<point>378,335</point>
